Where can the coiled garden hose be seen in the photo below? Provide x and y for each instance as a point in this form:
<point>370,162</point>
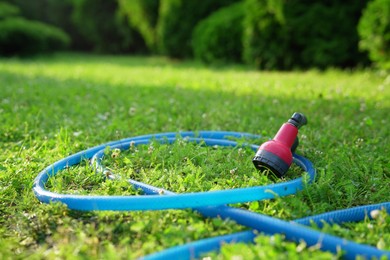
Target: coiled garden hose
<point>213,203</point>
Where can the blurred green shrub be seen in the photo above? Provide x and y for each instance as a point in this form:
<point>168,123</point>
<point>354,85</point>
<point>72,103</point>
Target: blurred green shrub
<point>218,38</point>
<point>143,16</point>
<point>286,34</point>
<point>19,36</point>
<point>8,10</point>
<point>374,31</point>
<point>265,40</point>
<point>56,13</point>
<point>177,19</point>
<point>102,26</point>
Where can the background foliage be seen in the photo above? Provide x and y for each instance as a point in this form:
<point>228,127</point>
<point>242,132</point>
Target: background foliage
<point>218,38</point>
<point>143,16</point>
<point>8,10</point>
<point>56,13</point>
<point>266,34</point>
<point>177,19</point>
<point>289,34</point>
<point>257,51</point>
<point>374,30</point>
<point>19,36</point>
<point>104,29</point>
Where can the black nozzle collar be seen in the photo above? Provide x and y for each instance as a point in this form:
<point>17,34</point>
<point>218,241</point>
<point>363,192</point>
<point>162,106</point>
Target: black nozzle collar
<point>298,120</point>
<point>264,160</point>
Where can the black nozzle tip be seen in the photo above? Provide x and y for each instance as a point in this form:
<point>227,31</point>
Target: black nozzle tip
<point>298,120</point>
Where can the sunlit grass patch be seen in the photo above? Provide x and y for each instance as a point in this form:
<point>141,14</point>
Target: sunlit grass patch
<point>51,107</point>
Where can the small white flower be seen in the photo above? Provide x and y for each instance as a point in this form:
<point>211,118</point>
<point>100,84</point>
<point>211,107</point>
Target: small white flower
<point>77,133</point>
<point>150,149</point>
<point>363,107</point>
<point>381,244</point>
<point>103,117</point>
<point>375,213</point>
<point>233,171</point>
<point>115,153</point>
<point>132,111</point>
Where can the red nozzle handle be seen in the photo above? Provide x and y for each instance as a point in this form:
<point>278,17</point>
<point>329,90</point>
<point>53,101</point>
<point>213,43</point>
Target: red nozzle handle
<point>276,154</point>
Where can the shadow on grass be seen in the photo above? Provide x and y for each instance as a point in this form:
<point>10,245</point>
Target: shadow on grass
<point>74,58</point>
<point>43,105</point>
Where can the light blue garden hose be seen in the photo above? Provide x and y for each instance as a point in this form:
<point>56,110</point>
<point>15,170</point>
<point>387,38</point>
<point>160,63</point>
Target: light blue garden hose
<point>212,204</point>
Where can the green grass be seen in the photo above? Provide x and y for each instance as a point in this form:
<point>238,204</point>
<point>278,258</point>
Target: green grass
<point>54,106</point>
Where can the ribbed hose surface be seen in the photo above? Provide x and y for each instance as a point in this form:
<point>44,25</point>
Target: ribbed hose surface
<point>212,204</point>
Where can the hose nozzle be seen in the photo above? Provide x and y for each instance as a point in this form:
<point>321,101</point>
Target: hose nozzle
<point>276,155</point>
<point>298,120</point>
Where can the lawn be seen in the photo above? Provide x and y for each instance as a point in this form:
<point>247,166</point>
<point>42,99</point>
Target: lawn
<point>54,106</point>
